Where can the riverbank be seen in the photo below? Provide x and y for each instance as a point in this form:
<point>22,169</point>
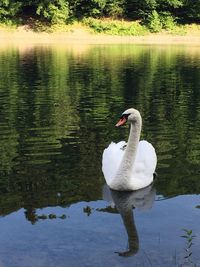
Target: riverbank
<point>25,35</point>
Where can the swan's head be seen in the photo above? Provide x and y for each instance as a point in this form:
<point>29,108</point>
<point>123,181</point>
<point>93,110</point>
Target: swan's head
<point>132,115</point>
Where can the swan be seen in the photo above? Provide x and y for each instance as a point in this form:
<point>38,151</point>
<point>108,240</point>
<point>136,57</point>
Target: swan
<point>129,166</point>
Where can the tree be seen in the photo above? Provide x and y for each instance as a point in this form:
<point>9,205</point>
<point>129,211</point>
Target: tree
<point>56,11</point>
<point>191,10</point>
<point>9,8</point>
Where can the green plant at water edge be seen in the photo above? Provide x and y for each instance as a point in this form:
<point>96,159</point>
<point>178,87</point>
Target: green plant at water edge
<point>188,248</point>
<point>115,27</point>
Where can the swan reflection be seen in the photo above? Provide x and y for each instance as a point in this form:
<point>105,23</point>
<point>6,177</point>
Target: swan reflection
<point>125,202</point>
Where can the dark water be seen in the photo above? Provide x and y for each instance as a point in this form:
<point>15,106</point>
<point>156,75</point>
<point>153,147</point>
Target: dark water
<point>58,108</point>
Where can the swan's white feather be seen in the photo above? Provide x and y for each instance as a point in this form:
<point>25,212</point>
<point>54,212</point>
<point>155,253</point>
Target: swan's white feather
<point>143,167</point>
<point>112,157</point>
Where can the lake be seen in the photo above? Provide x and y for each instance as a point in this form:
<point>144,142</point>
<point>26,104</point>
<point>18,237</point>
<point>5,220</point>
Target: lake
<point>58,109</point>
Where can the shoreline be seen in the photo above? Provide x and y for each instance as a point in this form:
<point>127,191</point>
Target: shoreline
<point>23,36</point>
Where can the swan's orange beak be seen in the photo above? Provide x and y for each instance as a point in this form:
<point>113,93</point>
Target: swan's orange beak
<point>121,122</point>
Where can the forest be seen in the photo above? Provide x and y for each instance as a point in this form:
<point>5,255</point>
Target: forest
<point>148,12</point>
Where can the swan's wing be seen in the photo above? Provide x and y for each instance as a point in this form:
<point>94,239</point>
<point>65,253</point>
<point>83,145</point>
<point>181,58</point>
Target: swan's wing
<point>145,164</point>
<point>112,157</point>
<point>146,159</point>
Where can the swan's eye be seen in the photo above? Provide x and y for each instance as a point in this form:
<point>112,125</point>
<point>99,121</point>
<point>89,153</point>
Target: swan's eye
<point>125,116</point>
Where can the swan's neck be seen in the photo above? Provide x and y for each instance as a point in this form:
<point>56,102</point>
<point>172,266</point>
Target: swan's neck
<point>133,140</point>
<point>123,174</point>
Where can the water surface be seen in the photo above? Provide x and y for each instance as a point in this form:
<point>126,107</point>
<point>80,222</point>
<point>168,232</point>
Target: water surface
<point>58,108</point>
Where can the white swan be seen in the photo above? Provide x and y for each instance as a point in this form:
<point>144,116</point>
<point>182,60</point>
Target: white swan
<point>129,166</point>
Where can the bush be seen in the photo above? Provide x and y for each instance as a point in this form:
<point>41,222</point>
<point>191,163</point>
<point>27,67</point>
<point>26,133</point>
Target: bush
<point>157,22</point>
<point>153,22</point>
<point>114,27</point>
<point>168,21</point>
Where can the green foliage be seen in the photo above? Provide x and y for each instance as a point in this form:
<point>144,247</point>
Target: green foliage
<point>166,4</point>
<point>97,7</point>
<point>56,11</point>
<point>157,22</point>
<point>85,8</point>
<point>153,22</point>
<point>9,8</point>
<point>158,14</point>
<point>168,21</point>
<point>115,9</point>
<point>191,10</point>
<point>115,27</point>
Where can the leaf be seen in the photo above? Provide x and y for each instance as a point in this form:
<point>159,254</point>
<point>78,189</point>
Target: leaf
<point>189,246</point>
<point>184,236</point>
<point>189,232</point>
